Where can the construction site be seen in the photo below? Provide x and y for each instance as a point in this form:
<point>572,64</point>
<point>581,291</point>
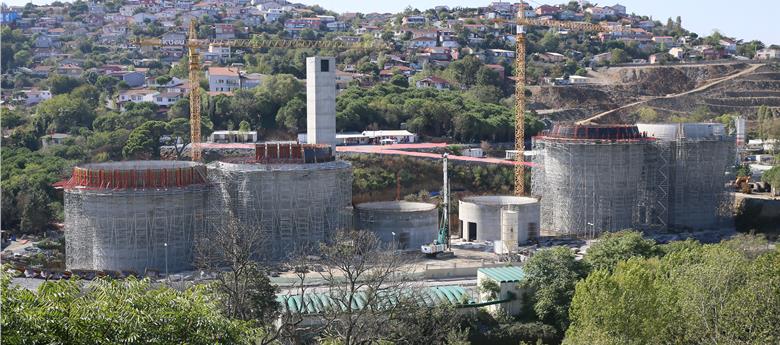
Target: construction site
<point>586,179</point>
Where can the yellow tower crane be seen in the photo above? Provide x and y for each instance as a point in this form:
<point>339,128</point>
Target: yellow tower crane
<point>522,22</point>
<point>194,44</point>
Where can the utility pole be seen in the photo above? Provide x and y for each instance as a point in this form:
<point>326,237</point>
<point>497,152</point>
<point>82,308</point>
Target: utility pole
<point>166,261</point>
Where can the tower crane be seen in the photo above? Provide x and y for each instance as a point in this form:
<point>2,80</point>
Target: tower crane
<point>193,44</point>
<point>522,22</point>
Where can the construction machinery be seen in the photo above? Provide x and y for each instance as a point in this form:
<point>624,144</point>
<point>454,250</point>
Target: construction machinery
<point>442,242</point>
<point>520,64</point>
<point>193,45</point>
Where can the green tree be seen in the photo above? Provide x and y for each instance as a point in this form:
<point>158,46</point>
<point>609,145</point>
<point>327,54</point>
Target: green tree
<point>618,56</point>
<point>63,112</point>
<point>59,84</point>
<point>613,247</point>
<point>110,312</point>
<point>292,115</point>
<point>551,276</point>
<point>144,141</point>
<point>36,212</point>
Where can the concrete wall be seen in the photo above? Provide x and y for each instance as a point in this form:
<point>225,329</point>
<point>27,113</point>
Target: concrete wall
<point>414,223</point>
<point>321,100</point>
<point>485,212</point>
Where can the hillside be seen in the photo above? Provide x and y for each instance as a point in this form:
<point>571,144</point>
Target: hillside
<point>669,90</point>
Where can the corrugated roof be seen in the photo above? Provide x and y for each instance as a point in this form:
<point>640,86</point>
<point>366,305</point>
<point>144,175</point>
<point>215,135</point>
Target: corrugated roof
<point>316,303</point>
<point>504,274</point>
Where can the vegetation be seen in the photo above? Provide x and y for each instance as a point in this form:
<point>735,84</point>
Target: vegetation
<point>720,293</point>
<point>111,312</point>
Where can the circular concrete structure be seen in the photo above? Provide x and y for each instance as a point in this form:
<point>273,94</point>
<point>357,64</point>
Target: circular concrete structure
<point>414,223</point>
<point>481,219</point>
<point>296,206</point>
<point>120,215</point>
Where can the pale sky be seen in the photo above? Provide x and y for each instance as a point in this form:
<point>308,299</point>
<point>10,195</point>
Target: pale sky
<point>748,19</point>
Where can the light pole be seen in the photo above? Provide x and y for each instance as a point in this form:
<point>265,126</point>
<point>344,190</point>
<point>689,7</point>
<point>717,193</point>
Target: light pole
<point>165,244</point>
<point>592,230</point>
<point>394,248</point>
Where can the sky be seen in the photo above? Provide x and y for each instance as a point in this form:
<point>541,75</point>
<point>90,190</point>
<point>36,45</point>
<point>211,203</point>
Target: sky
<point>747,19</point>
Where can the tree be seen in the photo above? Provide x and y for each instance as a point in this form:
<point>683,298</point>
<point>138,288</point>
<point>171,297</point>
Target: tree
<point>613,247</point>
<point>36,212</point>
<point>114,311</point>
<point>63,112</point>
<point>60,84</point>
<point>721,293</point>
<point>647,115</point>
<point>144,141</point>
<point>399,80</point>
<point>179,130</point>
<point>357,265</point>
<point>618,56</point>
<point>551,276</point>
<point>292,115</point>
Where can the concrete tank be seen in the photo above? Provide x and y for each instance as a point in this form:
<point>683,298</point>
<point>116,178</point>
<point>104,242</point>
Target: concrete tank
<point>590,178</point>
<point>119,216</point>
<point>414,223</point>
<point>481,219</point>
<point>297,195</point>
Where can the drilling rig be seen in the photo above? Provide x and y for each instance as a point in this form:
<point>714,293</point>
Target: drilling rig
<point>194,44</point>
<point>520,64</point>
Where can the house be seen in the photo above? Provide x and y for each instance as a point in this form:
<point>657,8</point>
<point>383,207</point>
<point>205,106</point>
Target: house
<point>54,139</point>
<point>729,45</point>
<point>217,53</point>
<point>434,82</point>
<point>496,54</point>
<point>166,99</point>
<point>677,53</point>
<point>270,5</point>
<point>41,71</point>
<point>223,79</point>
<point>132,78</point>
<point>293,26</point>
<point>422,42</point>
<point>658,58</point>
<point>666,40</point>
<point>413,20</point>
<point>273,15</point>
<point>45,42</point>
<point>224,31</point>
<point>599,13</point>
<point>547,10</point>
<point>507,281</point>
<point>770,53</point>
<point>603,57</point>
<point>70,70</point>
<point>619,9</point>
<point>550,57</point>
<point>32,97</point>
<point>336,26</point>
<point>135,96</point>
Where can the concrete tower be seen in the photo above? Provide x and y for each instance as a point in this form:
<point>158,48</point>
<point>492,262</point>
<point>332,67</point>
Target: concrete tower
<point>321,100</point>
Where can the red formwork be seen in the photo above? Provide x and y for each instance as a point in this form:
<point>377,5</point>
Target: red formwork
<point>270,153</point>
<point>118,177</point>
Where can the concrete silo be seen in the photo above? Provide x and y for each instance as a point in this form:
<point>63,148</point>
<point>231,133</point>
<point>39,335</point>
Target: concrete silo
<point>590,178</point>
<point>481,217</point>
<point>414,223</point>
<point>688,162</point>
<point>121,215</point>
<point>297,195</point>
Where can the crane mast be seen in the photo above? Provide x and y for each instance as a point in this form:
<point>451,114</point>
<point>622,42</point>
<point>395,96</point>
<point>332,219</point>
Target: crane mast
<point>194,70</point>
<point>520,103</point>
<point>522,22</point>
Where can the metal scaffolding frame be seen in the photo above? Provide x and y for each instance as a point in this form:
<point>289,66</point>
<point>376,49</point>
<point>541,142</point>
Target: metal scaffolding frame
<point>673,182</point>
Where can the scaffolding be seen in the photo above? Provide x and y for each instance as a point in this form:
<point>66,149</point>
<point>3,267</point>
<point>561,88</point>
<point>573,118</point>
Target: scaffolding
<point>134,216</point>
<point>294,206</point>
<point>594,178</point>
